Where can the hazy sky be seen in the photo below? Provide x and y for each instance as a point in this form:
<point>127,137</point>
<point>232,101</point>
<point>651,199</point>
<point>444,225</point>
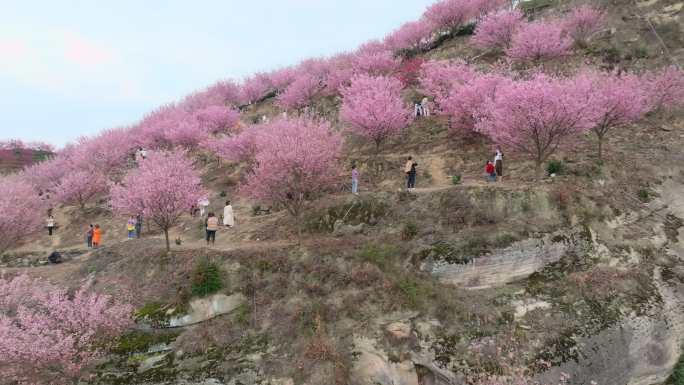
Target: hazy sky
<point>72,68</point>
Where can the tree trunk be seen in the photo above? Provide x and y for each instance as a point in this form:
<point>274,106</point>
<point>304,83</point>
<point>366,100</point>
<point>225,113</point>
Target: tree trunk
<point>166,235</point>
<point>539,171</point>
<point>299,229</point>
<point>600,148</point>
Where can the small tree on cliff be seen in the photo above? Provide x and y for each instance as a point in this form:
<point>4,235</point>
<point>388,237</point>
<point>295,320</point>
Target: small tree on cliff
<point>535,116</point>
<point>48,335</point>
<point>374,108</point>
<point>21,211</point>
<point>164,187</point>
<point>296,161</point>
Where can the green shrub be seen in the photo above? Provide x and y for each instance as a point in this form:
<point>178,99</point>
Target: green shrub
<point>456,179</point>
<point>677,377</point>
<point>554,167</point>
<point>379,255</point>
<point>409,231</point>
<point>644,195</point>
<point>413,292</point>
<point>206,278</point>
<point>140,342</point>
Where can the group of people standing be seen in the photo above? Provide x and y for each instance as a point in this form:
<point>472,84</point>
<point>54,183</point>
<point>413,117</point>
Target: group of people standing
<point>494,169</point>
<point>421,108</point>
<point>94,236</point>
<point>212,223</point>
<point>493,172</point>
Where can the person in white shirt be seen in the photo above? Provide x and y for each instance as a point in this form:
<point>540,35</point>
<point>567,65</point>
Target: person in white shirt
<point>425,108</point>
<point>203,204</point>
<point>228,215</point>
<point>498,162</point>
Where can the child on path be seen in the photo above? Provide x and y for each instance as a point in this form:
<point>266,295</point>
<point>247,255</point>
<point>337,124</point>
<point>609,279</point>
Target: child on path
<point>89,236</point>
<point>97,236</point>
<point>212,225</point>
<point>130,227</point>
<point>228,215</point>
<point>490,171</point>
<point>355,180</point>
<point>50,224</point>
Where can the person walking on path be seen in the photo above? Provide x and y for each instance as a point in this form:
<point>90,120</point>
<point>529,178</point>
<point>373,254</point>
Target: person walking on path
<point>412,177</point>
<point>490,171</point>
<point>228,215</point>
<point>97,236</point>
<point>89,237</point>
<point>407,169</point>
<point>355,180</point>
<point>50,223</point>
<point>498,162</point>
<point>138,225</point>
<point>211,225</point>
<point>130,227</point>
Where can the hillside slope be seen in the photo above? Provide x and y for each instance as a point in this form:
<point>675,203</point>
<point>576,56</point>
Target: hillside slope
<point>521,280</point>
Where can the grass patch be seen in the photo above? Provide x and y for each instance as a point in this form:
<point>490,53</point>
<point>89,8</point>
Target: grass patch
<point>141,342</point>
<point>206,278</point>
<point>409,231</point>
<point>379,255</point>
<point>677,377</point>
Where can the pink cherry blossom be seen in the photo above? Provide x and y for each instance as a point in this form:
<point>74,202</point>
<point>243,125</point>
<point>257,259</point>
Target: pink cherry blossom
<point>21,211</point>
<point>536,116</point>
<point>665,88</point>
<point>496,30</point>
<point>411,35</point>
<point>300,92</point>
<point>80,187</point>
<point>48,334</point>
<point>164,187</point>
<point>374,107</point>
<point>538,41</point>
<point>217,119</point>
<point>296,161</point>
<point>583,22</point>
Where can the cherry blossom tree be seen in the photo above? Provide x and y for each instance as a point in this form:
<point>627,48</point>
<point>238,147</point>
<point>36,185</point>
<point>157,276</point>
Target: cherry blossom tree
<point>21,211</point>
<point>256,87</point>
<point>375,63</point>
<point>106,154</point>
<point>535,116</point>
<point>374,107</point>
<point>240,147</point>
<point>438,78</point>
<point>45,176</point>
<point>217,119</point>
<point>165,186</point>
<point>414,35</point>
<point>582,23</point>
<point>296,161</point>
<point>282,78</point>
<point>539,41</point>
<point>300,92</point>
<point>665,88</point>
<point>467,99</point>
<point>80,187</point>
<point>409,71</point>
<point>613,101</point>
<point>48,335</point>
<point>496,30</point>
<point>447,16</point>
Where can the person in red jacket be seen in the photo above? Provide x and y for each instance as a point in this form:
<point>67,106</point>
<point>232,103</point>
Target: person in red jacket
<point>490,170</point>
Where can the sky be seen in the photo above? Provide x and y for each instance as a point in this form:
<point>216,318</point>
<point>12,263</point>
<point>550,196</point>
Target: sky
<point>73,68</point>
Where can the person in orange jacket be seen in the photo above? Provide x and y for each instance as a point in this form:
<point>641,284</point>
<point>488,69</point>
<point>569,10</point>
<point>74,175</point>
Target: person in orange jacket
<point>97,236</point>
